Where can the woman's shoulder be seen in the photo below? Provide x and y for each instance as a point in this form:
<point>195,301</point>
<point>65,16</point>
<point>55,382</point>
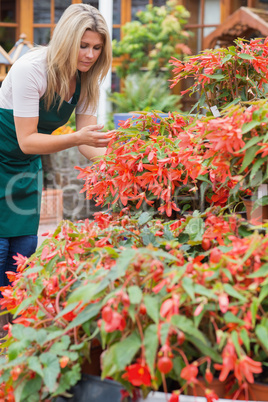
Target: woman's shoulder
<point>34,60</point>
<point>30,70</point>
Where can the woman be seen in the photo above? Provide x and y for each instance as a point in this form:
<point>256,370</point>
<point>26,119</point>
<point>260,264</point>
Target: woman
<point>38,95</point>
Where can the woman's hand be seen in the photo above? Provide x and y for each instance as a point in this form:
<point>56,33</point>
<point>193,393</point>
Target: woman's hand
<point>90,135</point>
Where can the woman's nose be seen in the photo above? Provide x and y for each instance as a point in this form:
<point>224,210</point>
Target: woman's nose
<point>90,53</point>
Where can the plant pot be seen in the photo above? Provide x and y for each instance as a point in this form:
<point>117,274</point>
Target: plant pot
<point>122,117</point>
<point>125,116</point>
<point>93,367</point>
<point>51,206</point>
<point>93,389</point>
<point>258,215</point>
<point>217,386</point>
<point>258,391</point>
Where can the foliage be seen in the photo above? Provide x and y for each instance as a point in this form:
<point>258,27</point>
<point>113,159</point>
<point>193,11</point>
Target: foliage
<point>152,39</point>
<point>181,162</point>
<point>161,305</point>
<point>225,75</point>
<point>144,92</point>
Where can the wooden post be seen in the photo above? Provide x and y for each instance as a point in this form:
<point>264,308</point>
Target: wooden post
<point>26,16</point>
<point>226,9</point>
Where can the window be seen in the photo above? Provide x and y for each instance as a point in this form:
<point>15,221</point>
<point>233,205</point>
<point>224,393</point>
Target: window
<point>46,15</point>
<point>8,24</point>
<point>202,20</point>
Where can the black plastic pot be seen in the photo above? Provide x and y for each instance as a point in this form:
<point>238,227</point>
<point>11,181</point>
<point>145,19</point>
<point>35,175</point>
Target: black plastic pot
<point>92,389</point>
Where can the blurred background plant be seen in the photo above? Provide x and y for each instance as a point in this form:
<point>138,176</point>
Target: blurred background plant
<point>150,40</point>
<point>143,92</point>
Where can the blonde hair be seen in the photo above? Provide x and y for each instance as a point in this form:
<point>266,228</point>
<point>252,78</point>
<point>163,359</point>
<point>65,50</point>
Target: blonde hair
<point>62,55</point>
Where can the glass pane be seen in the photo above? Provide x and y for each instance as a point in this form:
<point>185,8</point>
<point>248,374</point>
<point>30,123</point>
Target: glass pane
<point>116,33</point>
<point>117,12</point>
<point>115,83</point>
<point>138,5</point>
<point>8,10</point>
<point>7,38</point>
<point>60,6</point>
<point>94,3</point>
<point>159,3</point>
<point>42,11</point>
<point>41,36</point>
<point>212,15</point>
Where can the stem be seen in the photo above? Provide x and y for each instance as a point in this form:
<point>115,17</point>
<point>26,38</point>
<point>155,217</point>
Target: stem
<point>230,82</point>
<point>57,306</point>
<point>164,384</point>
<point>44,309</point>
<point>141,335</point>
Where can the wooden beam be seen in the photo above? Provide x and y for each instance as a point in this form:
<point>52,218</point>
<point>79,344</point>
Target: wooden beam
<point>241,18</point>
<point>226,9</point>
<point>26,18</point>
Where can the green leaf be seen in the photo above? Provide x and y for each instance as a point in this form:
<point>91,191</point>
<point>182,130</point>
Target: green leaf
<point>152,307</point>
<point>227,58</point>
<point>69,378</point>
<point>245,338</point>
<point>248,158</point>
<point>254,308</point>
<point>51,370</point>
<point>248,127</point>
<point>205,349</point>
<point>256,168</point>
<point>24,304</point>
<point>263,293</point>
<point>262,334</point>
<point>245,56</point>
<point>90,312</point>
<point>120,355</point>
<point>144,218</point>
<point>217,77</point>
<point>135,294</point>
<point>21,332</point>
<point>188,286</point>
<point>263,271</point>
<point>187,326</point>
<point>195,229</point>
<point>151,346</point>
<point>31,389</point>
<point>235,340</point>
<point>234,293</point>
<point>35,365</point>
<point>148,237</point>
<point>230,317</point>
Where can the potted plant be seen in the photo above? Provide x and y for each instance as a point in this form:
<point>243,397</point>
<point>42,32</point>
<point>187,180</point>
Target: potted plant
<point>151,39</point>
<point>168,301</point>
<point>142,92</point>
<point>225,76</point>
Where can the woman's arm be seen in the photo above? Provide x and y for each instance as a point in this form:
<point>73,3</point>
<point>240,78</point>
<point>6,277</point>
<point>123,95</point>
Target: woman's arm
<point>32,142</point>
<point>90,152</point>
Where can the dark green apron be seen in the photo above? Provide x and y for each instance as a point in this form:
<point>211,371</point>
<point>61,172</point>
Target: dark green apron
<point>21,178</point>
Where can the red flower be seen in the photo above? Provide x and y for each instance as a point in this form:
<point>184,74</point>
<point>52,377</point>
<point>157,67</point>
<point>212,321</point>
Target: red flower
<point>137,375</point>
<point>245,368</point>
<point>211,395</point>
<point>189,373</point>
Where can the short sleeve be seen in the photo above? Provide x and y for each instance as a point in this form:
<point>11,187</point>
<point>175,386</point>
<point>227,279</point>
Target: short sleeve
<point>27,88</point>
<point>88,111</point>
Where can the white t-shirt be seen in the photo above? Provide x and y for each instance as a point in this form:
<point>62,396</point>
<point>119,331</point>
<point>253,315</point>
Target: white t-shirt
<point>26,83</point>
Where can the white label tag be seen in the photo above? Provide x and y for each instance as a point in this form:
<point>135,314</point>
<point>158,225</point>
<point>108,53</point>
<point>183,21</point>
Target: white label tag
<point>262,190</point>
<point>215,111</point>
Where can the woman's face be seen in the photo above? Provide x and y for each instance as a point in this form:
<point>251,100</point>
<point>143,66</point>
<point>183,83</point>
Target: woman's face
<point>90,49</point>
